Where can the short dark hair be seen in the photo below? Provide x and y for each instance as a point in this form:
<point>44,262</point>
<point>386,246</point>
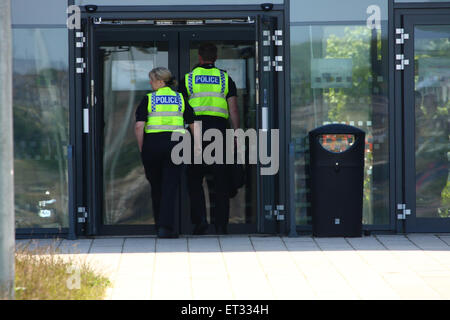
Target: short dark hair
<point>208,51</point>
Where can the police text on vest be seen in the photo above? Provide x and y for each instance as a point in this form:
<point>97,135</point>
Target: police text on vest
<point>207,80</point>
<point>166,100</point>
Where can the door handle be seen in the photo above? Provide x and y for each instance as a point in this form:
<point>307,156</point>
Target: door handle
<point>265,112</point>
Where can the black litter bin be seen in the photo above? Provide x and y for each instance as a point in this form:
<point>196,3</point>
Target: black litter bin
<point>337,178</point>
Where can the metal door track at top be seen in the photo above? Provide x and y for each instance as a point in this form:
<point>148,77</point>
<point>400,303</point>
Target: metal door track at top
<point>174,22</point>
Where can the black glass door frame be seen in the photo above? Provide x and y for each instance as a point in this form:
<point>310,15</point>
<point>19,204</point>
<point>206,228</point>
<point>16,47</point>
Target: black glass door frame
<point>96,35</point>
<point>406,21</point>
<point>271,110</point>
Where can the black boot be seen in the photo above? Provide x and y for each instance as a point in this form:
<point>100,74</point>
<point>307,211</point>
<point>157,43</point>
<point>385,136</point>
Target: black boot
<point>200,229</point>
<point>221,229</point>
<point>165,233</point>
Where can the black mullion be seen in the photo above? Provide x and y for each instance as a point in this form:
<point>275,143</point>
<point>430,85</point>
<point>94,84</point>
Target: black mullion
<point>90,164</point>
<point>409,125</point>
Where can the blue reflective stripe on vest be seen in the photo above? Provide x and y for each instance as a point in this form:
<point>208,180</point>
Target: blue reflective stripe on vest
<point>222,81</point>
<point>153,102</point>
<point>191,86</point>
<point>180,102</point>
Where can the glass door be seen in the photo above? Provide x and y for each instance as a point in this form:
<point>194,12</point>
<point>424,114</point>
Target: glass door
<point>251,57</point>
<point>236,55</point>
<point>426,117</point>
<point>122,59</point>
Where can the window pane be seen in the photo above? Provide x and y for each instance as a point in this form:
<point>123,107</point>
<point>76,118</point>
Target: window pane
<point>349,10</point>
<point>172,2</point>
<point>41,127</point>
<point>125,83</point>
<point>420,0</point>
<point>432,105</point>
<point>28,12</point>
<point>339,75</point>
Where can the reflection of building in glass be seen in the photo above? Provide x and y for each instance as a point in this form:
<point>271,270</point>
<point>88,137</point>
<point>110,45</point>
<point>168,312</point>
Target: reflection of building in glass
<point>41,114</point>
<point>432,146</point>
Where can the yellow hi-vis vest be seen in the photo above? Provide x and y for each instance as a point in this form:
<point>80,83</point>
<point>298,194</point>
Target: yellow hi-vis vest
<point>207,90</point>
<point>165,111</point>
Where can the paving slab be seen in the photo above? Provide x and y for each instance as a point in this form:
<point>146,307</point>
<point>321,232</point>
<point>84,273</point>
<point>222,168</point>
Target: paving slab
<point>75,247</point>
<point>445,238</point>
<point>428,242</point>
<point>399,267</point>
<point>45,245</point>
<point>138,245</point>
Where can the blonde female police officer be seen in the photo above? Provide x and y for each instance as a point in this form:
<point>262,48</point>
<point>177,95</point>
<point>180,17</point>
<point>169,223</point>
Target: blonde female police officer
<point>159,114</point>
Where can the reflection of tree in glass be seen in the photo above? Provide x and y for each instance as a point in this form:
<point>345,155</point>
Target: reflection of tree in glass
<point>355,45</point>
<point>432,126</point>
<point>363,98</point>
<point>40,135</point>
<point>347,104</point>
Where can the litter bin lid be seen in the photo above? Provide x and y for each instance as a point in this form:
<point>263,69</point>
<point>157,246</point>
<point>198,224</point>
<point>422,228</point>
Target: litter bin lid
<point>336,128</point>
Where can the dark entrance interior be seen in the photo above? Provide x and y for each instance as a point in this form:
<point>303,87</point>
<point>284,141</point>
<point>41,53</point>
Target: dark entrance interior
<point>122,57</point>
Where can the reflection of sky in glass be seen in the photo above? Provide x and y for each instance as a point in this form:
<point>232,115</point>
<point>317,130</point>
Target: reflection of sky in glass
<point>171,2</point>
<point>30,44</point>
<point>331,10</point>
<point>26,12</point>
<point>420,0</point>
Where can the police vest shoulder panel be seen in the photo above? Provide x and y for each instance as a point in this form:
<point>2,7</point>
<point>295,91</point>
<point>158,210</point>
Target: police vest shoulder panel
<point>207,90</point>
<point>165,111</point>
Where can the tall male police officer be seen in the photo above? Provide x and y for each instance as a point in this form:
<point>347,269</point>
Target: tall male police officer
<point>213,97</point>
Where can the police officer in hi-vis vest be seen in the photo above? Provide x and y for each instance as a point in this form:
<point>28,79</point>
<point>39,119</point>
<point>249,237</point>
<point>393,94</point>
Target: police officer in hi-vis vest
<point>159,115</point>
<point>213,97</point>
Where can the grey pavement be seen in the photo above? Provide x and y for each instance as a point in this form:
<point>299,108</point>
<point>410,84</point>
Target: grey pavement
<point>398,267</point>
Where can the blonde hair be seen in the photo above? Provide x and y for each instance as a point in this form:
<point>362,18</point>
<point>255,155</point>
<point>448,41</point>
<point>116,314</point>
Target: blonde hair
<point>163,74</point>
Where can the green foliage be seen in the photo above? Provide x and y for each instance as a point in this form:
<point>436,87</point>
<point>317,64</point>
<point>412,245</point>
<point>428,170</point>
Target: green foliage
<point>355,46</point>
<point>444,211</point>
<point>44,274</point>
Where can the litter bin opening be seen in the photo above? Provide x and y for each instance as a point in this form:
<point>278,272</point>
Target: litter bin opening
<point>336,143</point>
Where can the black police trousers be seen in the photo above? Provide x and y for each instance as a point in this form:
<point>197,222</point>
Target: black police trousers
<point>218,193</point>
<point>217,181</point>
<point>164,177</point>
